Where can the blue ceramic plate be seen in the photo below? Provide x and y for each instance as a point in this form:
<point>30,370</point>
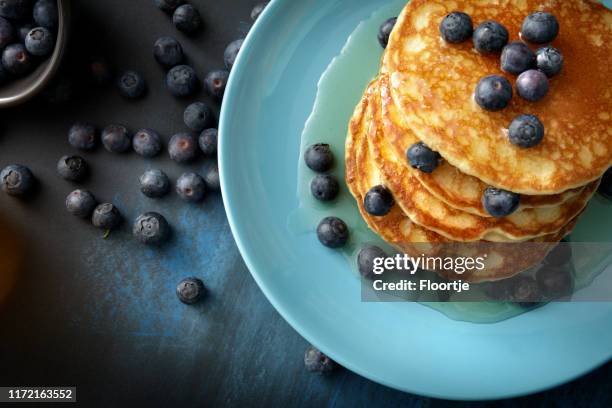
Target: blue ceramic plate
<point>403,345</point>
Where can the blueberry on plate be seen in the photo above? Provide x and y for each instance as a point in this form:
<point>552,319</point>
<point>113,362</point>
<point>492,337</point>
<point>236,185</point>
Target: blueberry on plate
<point>131,85</point>
<point>154,183</point>
<point>378,201</point>
<point>187,19</point>
<point>231,53</point>
<point>15,9</point>
<point>456,27</point>
<point>208,142</point>
<point>106,216</point>
<point>151,228</point>
<point>168,52</point>
<point>384,31</point>
<point>81,203</point>
<point>319,157</point>
<point>211,177</point>
<point>532,85</point>
<point>317,362</point>
<point>560,255</point>
<point>490,36</point>
<point>549,60</point>
<point>324,187</point>
<point>45,13</point>
<point>182,81</point>
<point>168,6</point>
<point>215,83</point>
<point>525,291</point>
<point>17,60</point>
<point>72,168</point>
<point>82,136</point>
<point>332,232</point>
<point>17,180</point>
<point>101,72</point>
<point>197,116</point>
<point>7,33</point>
<point>116,139</point>
<point>147,143</point>
<point>257,10</point>
<point>422,158</point>
<point>554,282</point>
<point>366,259</point>
<point>605,188</point>
<point>526,131</point>
<point>183,148</point>
<point>22,30</point>
<point>517,57</point>
<point>191,187</point>
<point>493,92</point>
<point>540,27</point>
<point>190,290</point>
<point>40,42</point>
<point>500,203</point>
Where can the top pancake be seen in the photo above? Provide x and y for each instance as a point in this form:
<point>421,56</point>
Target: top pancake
<point>433,82</point>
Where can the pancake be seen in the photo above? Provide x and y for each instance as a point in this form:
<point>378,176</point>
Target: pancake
<point>432,84</point>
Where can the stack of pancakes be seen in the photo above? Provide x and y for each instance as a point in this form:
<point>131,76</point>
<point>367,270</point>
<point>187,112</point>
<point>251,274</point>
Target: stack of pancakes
<point>424,93</point>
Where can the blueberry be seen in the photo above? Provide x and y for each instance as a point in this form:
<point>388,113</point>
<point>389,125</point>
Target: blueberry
<point>191,187</point>
<point>540,27</point>
<point>560,255</point>
<point>197,116</point>
<point>23,30</point>
<point>365,260</point>
<point>183,148</point>
<point>82,136</point>
<point>106,216</point>
<point>151,228</point>
<point>72,168</point>
<point>525,291</point>
<point>168,6</point>
<point>168,52</point>
<point>526,131</point>
<point>17,180</point>
<point>332,232</point>
<point>231,53</point>
<point>378,201</point>
<point>15,9</point>
<point>190,290</point>
<point>40,42</point>
<point>182,81</point>
<point>7,33</point>
<point>456,27</point>
<point>17,60</point>
<point>131,85</point>
<point>101,72</point>
<point>324,187</point>
<point>493,93</point>
<point>116,139</point>
<point>211,177</point>
<point>208,142</point>
<point>384,31</point>
<point>490,36</point>
<point>81,203</point>
<point>549,60</point>
<point>45,13</point>
<point>500,203</point>
<point>517,57</point>
<point>422,158</point>
<point>147,143</point>
<point>257,10</point>
<point>154,183</point>
<point>554,282</point>
<point>605,188</point>
<point>215,82</point>
<point>187,19</point>
<point>532,85</point>
<point>317,362</point>
<point>319,157</point>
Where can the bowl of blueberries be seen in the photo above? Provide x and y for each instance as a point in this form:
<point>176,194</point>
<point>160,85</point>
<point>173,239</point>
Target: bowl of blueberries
<point>33,36</point>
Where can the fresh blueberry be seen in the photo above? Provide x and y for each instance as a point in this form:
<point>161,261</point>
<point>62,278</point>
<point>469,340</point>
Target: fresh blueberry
<point>154,183</point>
<point>554,282</point>
<point>191,187</point>
<point>490,36</point>
<point>422,158</point>
<point>40,42</point>
<point>151,228</point>
<point>526,131</point>
<point>384,31</point>
<point>231,53</point>
<point>319,157</point>
<point>208,142</point>
<point>81,203</point>
<point>168,52</point>
<point>147,143</point>
<point>116,139</point>
<point>332,232</point>
<point>532,85</point>
<point>317,362</point>
<point>366,259</point>
<point>500,203</point>
<point>257,10</point>
<point>540,27</point>
<point>101,72</point>
<point>182,81</point>
<point>45,13</point>
<point>324,187</point>
<point>23,30</point>
<point>82,136</point>
<point>549,60</point>
<point>493,93</point>
<point>190,290</point>
<point>560,255</point>
<point>517,57</point>
<point>378,201</point>
<point>131,85</point>
<point>605,188</point>
<point>456,27</point>
<point>215,82</point>
<point>17,180</point>
<point>17,60</point>
<point>7,33</point>
<point>211,177</point>
<point>183,148</point>
<point>168,6</point>
<point>187,19</point>
<point>525,291</point>
<point>15,9</point>
<point>197,116</point>
<point>106,216</point>
<point>72,168</point>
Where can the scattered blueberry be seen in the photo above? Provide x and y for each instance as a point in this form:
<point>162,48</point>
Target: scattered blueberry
<point>154,183</point>
<point>319,157</point>
<point>45,13</point>
<point>168,52</point>
<point>500,203</point>
<point>384,31</point>
<point>231,53</point>
<point>15,9</point>
<point>422,158</point>
<point>365,260</point>
<point>525,291</point>
<point>72,168</point>
<point>324,187</point>
<point>317,362</point>
<point>493,93</point>
<point>131,85</point>
<point>168,6</point>
<point>40,42</point>
<point>190,290</point>
<point>526,131</point>
<point>332,232</point>
<point>211,177</point>
<point>540,27</point>
<point>378,201</point>
<point>187,19</point>
<point>151,228</point>
<point>532,85</point>
<point>215,82</point>
<point>81,203</point>
<point>456,27</point>
<point>7,33</point>
<point>106,216</point>
<point>208,142</point>
<point>182,81</point>
<point>101,72</point>
<point>17,60</point>
<point>257,10</point>
<point>183,148</point>
<point>191,187</point>
<point>560,255</point>
<point>549,60</point>
<point>197,116</point>
<point>147,143</point>
<point>605,188</point>
<point>17,180</point>
<point>82,136</point>
<point>116,139</point>
<point>517,57</point>
<point>489,37</point>
<point>23,29</point>
<point>554,282</point>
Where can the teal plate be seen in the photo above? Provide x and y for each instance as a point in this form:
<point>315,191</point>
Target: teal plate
<point>407,346</point>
